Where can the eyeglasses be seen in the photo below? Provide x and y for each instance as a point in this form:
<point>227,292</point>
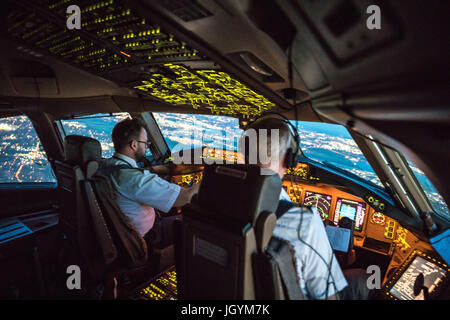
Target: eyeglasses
<point>148,143</point>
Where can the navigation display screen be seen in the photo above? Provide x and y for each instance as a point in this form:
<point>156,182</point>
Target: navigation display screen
<point>403,289</point>
<point>321,201</point>
<point>353,210</point>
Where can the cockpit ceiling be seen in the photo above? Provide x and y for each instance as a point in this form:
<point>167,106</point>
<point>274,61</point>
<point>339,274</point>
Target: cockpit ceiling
<point>118,44</point>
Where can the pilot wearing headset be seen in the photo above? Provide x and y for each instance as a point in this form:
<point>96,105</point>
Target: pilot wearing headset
<point>140,192</point>
<point>319,273</point>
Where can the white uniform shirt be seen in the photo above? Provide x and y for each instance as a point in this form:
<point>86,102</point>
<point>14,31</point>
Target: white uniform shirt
<point>311,269</point>
<point>138,192</point>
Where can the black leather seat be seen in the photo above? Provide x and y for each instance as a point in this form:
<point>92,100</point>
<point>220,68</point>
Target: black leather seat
<point>231,221</point>
<point>88,240</point>
<point>90,224</point>
<point>79,245</point>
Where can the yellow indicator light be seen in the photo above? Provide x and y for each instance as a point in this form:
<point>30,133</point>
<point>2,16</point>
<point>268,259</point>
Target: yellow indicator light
<point>401,239</point>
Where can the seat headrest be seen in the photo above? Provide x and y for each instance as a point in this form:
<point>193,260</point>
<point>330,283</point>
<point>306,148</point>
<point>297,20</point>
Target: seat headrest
<point>80,150</point>
<point>238,192</point>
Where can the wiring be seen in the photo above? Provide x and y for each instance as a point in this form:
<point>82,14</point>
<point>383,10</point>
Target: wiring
<point>294,95</point>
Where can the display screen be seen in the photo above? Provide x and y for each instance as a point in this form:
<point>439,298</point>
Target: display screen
<point>321,201</point>
<point>353,210</point>
<point>403,289</point>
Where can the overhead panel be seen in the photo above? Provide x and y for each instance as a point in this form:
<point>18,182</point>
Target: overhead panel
<point>111,35</point>
<point>211,89</point>
<point>119,44</point>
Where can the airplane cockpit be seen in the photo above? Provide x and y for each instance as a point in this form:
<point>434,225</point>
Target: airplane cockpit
<point>362,85</point>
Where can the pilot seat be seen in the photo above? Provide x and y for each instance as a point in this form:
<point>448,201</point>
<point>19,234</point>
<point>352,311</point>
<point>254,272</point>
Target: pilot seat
<point>96,235</point>
<point>224,247</point>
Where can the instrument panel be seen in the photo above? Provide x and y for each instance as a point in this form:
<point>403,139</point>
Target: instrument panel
<point>331,203</point>
<point>378,233</point>
<point>372,230</point>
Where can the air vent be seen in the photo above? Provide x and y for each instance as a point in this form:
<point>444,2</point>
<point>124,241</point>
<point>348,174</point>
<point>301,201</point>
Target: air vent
<point>12,229</point>
<point>187,10</point>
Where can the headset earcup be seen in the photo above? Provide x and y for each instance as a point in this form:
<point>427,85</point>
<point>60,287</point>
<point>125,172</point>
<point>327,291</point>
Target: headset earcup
<point>288,160</point>
<point>245,147</point>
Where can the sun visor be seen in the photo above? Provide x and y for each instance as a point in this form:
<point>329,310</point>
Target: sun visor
<point>35,86</point>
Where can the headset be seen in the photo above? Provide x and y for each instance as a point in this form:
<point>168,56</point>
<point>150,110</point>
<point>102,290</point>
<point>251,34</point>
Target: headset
<point>291,158</point>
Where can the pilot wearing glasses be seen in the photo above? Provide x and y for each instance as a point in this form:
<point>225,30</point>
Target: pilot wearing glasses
<point>139,192</point>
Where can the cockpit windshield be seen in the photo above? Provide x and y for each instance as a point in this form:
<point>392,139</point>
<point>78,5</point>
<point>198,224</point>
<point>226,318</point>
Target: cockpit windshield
<point>436,200</point>
<point>328,143</point>
<point>187,131</point>
<point>333,144</point>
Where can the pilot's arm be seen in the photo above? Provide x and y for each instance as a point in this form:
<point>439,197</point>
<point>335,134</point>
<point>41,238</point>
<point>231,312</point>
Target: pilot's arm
<point>185,195</point>
<point>150,189</point>
<point>319,262</point>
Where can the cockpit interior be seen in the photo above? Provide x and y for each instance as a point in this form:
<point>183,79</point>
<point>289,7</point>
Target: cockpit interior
<point>364,85</point>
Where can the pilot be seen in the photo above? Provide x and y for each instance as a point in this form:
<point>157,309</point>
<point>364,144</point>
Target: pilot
<point>139,192</point>
<point>319,273</point>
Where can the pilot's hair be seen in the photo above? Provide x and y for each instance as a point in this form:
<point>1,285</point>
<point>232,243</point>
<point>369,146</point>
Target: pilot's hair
<point>126,131</point>
<point>286,139</point>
